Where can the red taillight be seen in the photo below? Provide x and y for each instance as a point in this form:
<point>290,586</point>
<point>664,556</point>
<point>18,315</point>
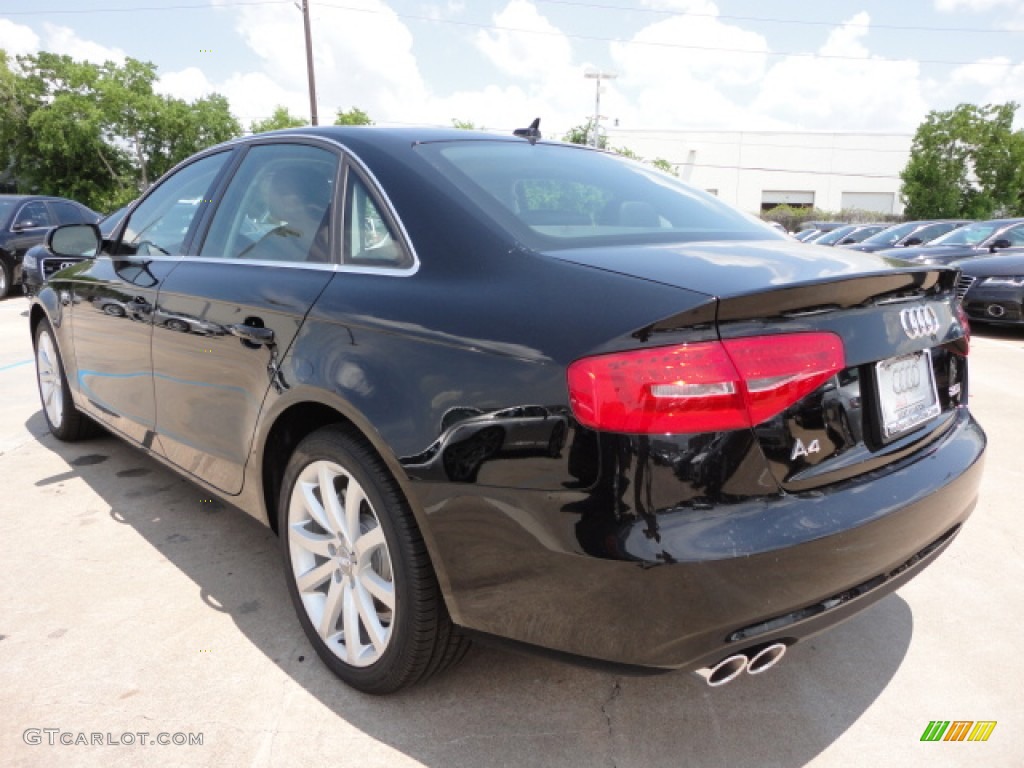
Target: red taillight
<point>701,387</point>
<point>961,315</point>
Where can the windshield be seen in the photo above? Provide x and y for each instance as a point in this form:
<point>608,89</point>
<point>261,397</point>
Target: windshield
<point>892,235</point>
<point>556,195</point>
<point>972,234</point>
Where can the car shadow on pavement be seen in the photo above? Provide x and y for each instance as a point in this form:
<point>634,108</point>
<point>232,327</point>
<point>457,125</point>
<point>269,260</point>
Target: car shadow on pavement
<point>495,708</point>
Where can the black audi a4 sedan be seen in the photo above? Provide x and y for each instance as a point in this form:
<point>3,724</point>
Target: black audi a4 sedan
<point>500,388</point>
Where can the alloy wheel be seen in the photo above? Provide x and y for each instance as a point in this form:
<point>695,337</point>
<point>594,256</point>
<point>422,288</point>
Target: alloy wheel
<point>48,371</point>
<point>341,564</point>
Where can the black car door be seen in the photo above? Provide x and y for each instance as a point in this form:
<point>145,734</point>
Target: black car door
<point>111,298</point>
<point>225,317</point>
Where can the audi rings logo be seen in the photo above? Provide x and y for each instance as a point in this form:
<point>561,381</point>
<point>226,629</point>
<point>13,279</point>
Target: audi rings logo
<point>906,378</point>
<point>918,322</point>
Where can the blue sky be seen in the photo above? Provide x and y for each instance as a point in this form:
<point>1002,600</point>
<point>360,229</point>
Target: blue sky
<point>684,64</point>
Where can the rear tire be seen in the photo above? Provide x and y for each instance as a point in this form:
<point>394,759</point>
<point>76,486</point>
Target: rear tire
<point>64,420</point>
<point>358,571</point>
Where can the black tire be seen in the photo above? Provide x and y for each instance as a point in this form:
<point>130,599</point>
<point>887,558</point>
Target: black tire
<point>5,278</point>
<point>421,639</point>
<point>66,423</point>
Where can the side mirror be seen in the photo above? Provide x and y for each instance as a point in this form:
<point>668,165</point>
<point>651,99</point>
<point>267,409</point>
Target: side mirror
<point>910,242</point>
<point>23,225</point>
<point>1000,243</point>
<point>74,240</point>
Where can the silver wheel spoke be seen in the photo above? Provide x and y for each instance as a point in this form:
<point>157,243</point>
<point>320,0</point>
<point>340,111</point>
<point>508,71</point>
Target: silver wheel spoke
<point>332,505</point>
<point>354,498</point>
<point>311,542</point>
<point>383,590</point>
<point>350,625</point>
<point>313,506</point>
<point>315,576</point>
<point>48,373</point>
<point>332,607</point>
<point>368,615</point>
<point>368,542</point>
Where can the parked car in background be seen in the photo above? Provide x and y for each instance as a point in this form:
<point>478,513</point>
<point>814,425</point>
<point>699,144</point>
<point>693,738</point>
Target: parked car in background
<point>964,242</point>
<point>24,220</point>
<point>812,229</point>
<point>853,233</point>
<point>551,396</point>
<point>40,263</point>
<point>991,288</point>
<point>906,235</point>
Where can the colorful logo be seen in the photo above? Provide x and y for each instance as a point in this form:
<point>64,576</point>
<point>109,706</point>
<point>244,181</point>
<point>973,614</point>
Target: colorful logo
<point>958,730</point>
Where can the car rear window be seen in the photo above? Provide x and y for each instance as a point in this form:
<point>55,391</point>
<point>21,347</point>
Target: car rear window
<point>567,196</point>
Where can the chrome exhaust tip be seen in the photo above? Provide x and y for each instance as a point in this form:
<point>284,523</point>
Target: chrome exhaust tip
<point>766,658</point>
<point>725,671</point>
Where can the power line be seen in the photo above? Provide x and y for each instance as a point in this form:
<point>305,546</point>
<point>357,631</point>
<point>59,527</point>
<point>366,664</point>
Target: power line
<point>654,44</point>
<point>785,170</point>
<point>546,33</point>
<point>135,9</point>
<point>770,20</point>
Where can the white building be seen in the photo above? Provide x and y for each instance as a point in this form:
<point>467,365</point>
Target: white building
<point>756,170</point>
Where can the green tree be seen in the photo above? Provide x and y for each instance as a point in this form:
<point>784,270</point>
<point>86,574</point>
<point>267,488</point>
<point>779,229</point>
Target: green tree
<point>354,116</point>
<point>965,162</point>
<point>465,125</point>
<point>583,134</point>
<point>281,118</point>
<point>98,133</point>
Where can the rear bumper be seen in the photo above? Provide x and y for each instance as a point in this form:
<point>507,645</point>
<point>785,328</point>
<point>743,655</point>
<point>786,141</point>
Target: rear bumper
<point>696,585</point>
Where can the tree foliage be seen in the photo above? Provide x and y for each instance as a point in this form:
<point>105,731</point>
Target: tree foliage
<point>279,119</point>
<point>354,116</point>
<point>98,133</point>
<point>584,134</point>
<point>967,162</point>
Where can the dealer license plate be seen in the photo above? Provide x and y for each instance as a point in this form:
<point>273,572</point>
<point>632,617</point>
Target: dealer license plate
<point>906,392</point>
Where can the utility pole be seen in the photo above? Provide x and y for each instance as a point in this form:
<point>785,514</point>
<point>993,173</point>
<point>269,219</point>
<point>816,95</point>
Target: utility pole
<point>309,61</point>
<point>598,76</point>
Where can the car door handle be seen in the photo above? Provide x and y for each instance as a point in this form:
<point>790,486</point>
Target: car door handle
<point>253,334</point>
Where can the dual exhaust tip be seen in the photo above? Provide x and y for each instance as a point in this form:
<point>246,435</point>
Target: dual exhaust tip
<point>753,661</point>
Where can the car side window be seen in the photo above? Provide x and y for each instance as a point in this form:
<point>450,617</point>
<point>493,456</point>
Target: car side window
<point>33,216</point>
<point>161,223</point>
<point>1015,235</point>
<point>67,213</point>
<point>369,238</point>
<point>277,206</point>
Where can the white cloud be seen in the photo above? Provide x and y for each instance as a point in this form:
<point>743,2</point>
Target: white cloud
<point>17,39</point>
<point>65,40</point>
<point>844,94</point>
<point>987,81</point>
<point>530,47</point>
<point>951,6</point>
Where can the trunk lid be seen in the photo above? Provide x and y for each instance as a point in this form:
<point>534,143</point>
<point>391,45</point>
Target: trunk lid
<point>902,332</point>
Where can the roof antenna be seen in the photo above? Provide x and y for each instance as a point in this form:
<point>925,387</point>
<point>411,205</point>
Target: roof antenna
<point>532,134</point>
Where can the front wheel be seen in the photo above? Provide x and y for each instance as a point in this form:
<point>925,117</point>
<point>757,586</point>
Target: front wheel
<point>64,420</point>
<point>358,570</point>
